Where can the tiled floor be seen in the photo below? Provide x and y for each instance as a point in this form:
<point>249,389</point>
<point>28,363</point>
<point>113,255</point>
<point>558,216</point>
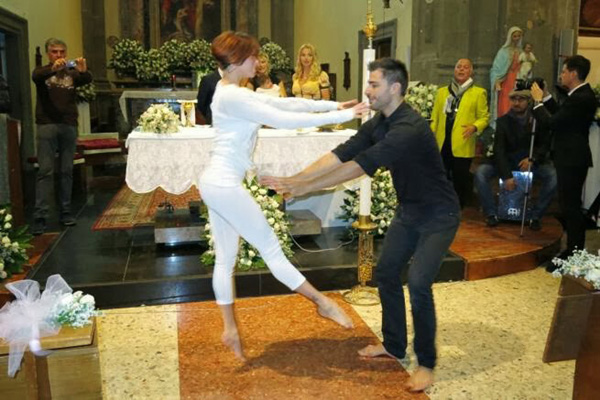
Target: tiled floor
<point>491,338</point>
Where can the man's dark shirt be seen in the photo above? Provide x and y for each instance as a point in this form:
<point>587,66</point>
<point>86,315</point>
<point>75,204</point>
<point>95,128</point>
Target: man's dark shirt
<point>206,91</point>
<point>56,96</point>
<point>513,140</point>
<point>404,144</point>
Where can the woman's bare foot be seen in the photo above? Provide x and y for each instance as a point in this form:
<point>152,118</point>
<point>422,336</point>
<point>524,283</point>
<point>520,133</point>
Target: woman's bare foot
<point>232,340</point>
<point>328,308</point>
<point>375,350</point>
<point>420,380</point>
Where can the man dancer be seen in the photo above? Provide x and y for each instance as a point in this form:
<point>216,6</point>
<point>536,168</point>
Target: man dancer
<point>425,222</point>
<point>570,123</point>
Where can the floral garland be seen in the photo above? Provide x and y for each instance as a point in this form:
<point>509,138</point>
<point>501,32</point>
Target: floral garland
<point>159,118</point>
<point>580,265</point>
<point>421,98</point>
<point>86,93</point>
<point>248,256</point>
<point>13,245</point>
<point>383,202</point>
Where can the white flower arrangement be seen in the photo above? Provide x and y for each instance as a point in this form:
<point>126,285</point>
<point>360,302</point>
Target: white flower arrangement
<point>125,54</point>
<point>383,202</point>
<point>74,309</point>
<point>421,98</point>
<point>152,66</point>
<point>580,265</point>
<point>86,93</point>
<point>199,57</point>
<point>159,118</point>
<point>248,256</point>
<point>13,245</point>
<point>278,59</point>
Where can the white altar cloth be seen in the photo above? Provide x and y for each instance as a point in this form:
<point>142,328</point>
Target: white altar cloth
<point>174,162</point>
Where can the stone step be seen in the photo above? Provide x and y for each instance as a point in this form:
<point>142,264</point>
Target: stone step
<point>304,222</point>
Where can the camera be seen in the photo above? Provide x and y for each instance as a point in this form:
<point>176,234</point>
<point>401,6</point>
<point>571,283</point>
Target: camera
<point>71,64</point>
<point>525,84</point>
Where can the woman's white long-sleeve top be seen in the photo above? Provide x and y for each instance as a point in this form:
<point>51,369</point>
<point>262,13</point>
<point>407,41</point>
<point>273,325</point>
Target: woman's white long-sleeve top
<point>238,113</point>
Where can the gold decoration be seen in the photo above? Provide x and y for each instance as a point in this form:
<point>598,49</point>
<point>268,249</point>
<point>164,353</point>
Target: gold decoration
<point>370,28</point>
<point>362,294</point>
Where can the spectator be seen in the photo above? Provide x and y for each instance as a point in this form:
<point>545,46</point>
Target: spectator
<point>309,81</point>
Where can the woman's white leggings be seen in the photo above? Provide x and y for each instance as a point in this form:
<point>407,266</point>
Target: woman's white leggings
<point>232,213</point>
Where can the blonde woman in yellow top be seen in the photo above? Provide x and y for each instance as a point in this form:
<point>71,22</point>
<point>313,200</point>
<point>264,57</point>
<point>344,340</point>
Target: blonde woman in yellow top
<point>309,81</point>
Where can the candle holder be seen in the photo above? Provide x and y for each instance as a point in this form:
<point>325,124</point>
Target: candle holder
<point>361,294</point>
<point>188,112</point>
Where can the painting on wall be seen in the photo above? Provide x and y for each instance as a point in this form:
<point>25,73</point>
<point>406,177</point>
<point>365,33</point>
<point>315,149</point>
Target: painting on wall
<point>589,18</point>
<point>186,20</point>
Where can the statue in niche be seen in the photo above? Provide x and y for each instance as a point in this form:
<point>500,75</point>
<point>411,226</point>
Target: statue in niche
<point>503,73</point>
<point>186,20</point>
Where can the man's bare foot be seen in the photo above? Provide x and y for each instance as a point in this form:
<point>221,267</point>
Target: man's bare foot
<point>232,340</point>
<point>330,309</point>
<point>375,350</point>
<point>420,380</point>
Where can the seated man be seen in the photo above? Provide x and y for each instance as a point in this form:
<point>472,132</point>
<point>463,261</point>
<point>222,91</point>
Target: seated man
<point>511,152</point>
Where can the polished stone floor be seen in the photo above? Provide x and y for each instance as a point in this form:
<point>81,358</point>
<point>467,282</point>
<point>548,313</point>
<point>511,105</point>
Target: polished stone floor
<point>126,268</point>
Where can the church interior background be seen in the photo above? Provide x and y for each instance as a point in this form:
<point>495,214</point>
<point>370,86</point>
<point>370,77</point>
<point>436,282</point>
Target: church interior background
<point>157,333</point>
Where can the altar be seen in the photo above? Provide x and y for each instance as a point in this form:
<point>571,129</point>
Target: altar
<point>174,162</point>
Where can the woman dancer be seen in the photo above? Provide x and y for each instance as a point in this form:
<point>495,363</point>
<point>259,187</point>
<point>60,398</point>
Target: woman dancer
<point>237,115</point>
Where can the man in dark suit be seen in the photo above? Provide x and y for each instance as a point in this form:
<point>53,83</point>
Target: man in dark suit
<point>512,142</point>
<point>570,124</point>
<point>206,91</point>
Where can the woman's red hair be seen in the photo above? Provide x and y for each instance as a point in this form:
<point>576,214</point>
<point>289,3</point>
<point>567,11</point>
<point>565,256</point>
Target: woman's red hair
<point>233,48</point>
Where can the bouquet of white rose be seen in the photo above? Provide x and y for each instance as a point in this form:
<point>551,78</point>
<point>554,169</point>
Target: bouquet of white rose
<point>74,309</point>
<point>421,98</point>
<point>13,244</point>
<point>159,118</point>
<point>248,256</point>
<point>580,265</point>
<point>383,202</point>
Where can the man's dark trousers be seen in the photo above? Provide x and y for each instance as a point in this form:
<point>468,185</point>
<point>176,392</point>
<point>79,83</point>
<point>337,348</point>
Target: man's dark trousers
<point>426,239</point>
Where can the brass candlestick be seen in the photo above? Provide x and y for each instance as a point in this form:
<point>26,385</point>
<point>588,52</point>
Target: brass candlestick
<point>362,294</point>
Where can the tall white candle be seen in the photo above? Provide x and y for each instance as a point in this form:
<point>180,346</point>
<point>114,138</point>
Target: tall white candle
<point>368,56</point>
<point>365,196</point>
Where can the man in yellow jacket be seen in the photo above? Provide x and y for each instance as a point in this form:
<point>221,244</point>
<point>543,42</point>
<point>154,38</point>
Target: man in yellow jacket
<point>460,114</point>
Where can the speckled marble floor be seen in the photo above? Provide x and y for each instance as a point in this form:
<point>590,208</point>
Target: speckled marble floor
<point>491,338</point>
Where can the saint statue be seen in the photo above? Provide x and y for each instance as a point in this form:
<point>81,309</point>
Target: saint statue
<point>503,74</point>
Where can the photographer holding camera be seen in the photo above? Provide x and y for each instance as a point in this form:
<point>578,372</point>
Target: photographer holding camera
<point>512,142</point>
<point>570,123</point>
<point>56,120</point>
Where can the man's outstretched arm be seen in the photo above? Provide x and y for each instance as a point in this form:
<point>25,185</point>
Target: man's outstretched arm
<point>314,178</point>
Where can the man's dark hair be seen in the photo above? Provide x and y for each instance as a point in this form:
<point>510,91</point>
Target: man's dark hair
<point>393,71</point>
<point>580,64</point>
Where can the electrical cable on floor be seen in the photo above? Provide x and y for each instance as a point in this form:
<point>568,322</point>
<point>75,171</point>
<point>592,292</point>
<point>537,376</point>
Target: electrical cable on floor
<point>352,237</point>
